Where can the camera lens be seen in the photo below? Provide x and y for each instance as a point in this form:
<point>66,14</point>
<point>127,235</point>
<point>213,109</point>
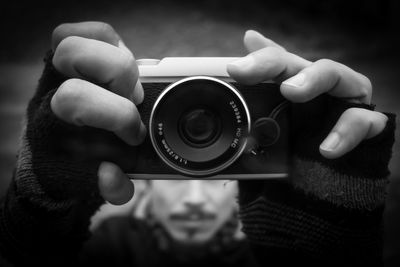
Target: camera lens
<point>199,125</point>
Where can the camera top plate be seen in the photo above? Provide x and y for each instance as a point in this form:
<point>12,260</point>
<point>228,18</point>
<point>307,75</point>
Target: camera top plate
<point>171,69</point>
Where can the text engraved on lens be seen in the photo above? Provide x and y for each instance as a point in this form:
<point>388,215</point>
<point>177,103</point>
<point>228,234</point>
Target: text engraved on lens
<point>235,141</point>
<point>172,154</point>
<point>236,111</point>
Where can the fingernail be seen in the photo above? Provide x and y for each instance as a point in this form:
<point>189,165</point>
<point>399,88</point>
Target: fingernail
<point>296,81</point>
<point>243,63</point>
<point>331,142</point>
<point>254,33</point>
<point>138,93</point>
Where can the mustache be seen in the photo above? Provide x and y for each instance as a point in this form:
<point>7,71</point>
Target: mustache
<point>193,215</point>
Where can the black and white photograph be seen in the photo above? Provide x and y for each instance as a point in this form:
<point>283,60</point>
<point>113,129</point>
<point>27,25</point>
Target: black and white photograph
<point>200,133</point>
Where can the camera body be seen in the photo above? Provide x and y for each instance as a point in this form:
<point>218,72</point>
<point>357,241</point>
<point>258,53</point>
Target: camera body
<point>202,124</point>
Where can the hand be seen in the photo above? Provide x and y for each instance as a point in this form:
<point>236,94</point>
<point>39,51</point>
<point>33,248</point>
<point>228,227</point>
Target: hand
<point>92,54</point>
<point>304,80</point>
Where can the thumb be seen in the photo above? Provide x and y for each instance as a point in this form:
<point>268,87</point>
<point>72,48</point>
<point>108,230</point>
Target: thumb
<point>353,126</point>
<point>114,185</point>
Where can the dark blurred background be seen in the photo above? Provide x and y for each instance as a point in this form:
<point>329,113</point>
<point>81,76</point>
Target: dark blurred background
<point>361,34</point>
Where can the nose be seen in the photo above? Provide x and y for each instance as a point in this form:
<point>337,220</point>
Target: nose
<point>195,194</point>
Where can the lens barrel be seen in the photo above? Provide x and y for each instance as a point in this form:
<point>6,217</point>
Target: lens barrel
<point>199,125</point>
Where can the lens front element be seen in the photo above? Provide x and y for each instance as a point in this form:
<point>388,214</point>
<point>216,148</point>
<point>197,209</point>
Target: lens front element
<point>199,125</point>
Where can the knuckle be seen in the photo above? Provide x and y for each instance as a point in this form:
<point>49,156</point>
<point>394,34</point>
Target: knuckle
<point>67,97</point>
<point>58,33</point>
<point>366,85</point>
<point>273,49</point>
<point>66,49</point>
<point>328,65</point>
<point>326,72</point>
<point>130,60</point>
<point>326,62</point>
<point>70,51</point>
<point>128,73</point>
<point>105,26</point>
<point>106,29</point>
<point>129,64</point>
<point>271,63</point>
<point>273,52</point>
<point>359,117</point>
<point>69,43</point>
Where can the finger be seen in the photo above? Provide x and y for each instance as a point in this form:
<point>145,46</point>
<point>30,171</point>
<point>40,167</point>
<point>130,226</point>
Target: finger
<point>254,41</point>
<point>327,76</point>
<point>82,103</point>
<point>100,62</point>
<point>89,29</point>
<point>269,63</point>
<point>353,126</point>
<point>114,185</point>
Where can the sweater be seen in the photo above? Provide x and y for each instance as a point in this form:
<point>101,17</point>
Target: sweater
<point>127,241</point>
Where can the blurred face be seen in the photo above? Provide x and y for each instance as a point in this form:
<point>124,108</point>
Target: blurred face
<point>192,211</point>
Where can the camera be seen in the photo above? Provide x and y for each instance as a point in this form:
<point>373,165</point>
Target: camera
<point>202,124</point>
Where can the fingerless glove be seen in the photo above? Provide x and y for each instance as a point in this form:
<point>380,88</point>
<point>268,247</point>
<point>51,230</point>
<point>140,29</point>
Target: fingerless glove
<point>54,191</point>
<point>329,212</point>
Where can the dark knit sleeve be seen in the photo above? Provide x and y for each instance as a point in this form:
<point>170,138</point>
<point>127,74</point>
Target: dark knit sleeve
<point>329,212</point>
<point>45,215</point>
